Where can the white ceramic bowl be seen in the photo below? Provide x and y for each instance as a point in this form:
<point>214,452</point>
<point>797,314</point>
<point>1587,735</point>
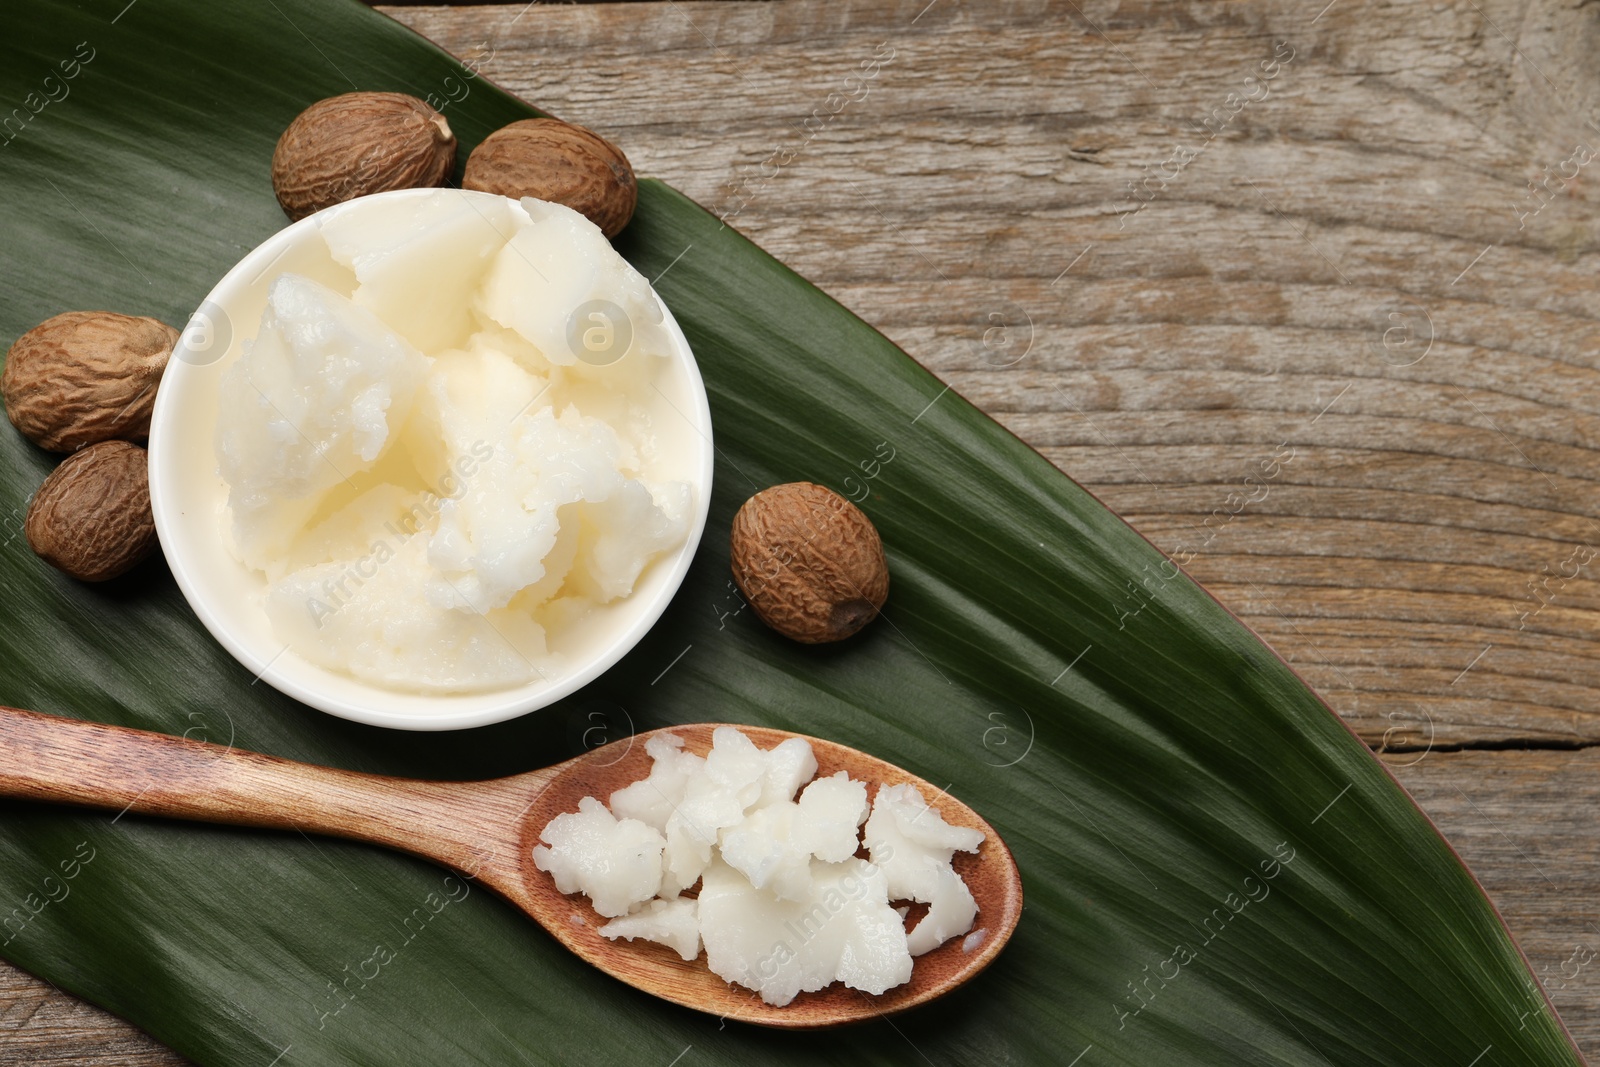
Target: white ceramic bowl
<point>189,499</point>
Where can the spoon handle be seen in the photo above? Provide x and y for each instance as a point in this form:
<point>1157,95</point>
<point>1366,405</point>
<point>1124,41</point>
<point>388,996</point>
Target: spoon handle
<point>462,825</point>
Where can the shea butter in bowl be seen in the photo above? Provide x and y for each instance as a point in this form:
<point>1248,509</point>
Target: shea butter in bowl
<point>431,459</point>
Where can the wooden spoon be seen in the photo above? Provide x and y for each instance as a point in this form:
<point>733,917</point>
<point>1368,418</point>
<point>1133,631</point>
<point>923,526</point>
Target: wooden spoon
<point>487,831</point>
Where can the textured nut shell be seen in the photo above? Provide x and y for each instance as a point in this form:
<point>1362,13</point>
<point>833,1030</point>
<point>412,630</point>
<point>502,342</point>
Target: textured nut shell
<point>557,161</point>
<point>86,376</point>
<point>348,146</point>
<point>91,518</point>
<point>809,562</point>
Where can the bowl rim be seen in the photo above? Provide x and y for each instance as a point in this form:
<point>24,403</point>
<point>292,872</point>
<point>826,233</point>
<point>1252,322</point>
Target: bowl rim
<point>166,500</point>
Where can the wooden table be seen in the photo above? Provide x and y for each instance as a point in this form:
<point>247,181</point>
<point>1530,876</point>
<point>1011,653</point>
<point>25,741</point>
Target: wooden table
<point>1162,242</point>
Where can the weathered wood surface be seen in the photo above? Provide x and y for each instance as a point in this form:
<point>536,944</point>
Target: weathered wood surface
<point>1352,265</point>
<point>43,1027</point>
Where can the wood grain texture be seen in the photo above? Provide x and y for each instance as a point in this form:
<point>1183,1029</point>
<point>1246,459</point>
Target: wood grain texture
<point>477,827</point>
<point>1341,361</point>
<point>40,1026</point>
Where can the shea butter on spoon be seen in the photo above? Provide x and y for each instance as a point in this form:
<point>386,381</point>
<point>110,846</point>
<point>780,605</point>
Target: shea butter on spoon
<point>785,904</point>
<point>455,461</point>
<point>488,830</point>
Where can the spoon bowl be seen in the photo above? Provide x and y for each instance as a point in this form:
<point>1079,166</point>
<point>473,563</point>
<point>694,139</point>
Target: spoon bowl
<point>990,873</point>
<point>487,831</point>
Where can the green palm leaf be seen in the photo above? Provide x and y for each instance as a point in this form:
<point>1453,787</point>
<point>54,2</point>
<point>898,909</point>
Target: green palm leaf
<point>1217,871</point>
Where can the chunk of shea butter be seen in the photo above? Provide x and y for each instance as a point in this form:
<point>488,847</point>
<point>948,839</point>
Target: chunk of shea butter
<point>310,404</point>
<point>843,931</point>
<point>436,506</point>
<point>774,846</point>
<point>556,266</point>
<point>790,765</point>
<point>830,814</point>
<point>543,469</point>
<point>951,911</point>
<point>420,260</point>
<point>716,797</point>
<point>652,800</point>
<point>615,862</point>
<point>914,846</point>
<point>672,922</point>
<point>784,904</point>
